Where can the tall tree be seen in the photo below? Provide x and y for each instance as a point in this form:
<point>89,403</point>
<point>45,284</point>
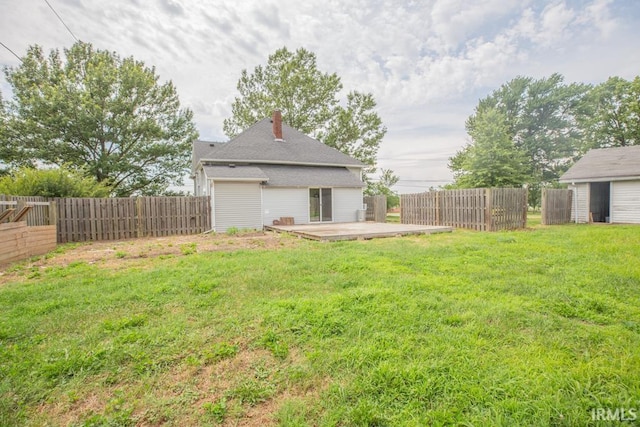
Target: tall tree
<point>95,110</point>
<point>541,122</point>
<point>356,129</point>
<point>291,83</point>
<point>610,116</point>
<point>491,159</point>
<point>308,99</point>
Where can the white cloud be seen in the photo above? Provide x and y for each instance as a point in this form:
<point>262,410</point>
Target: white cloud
<point>598,15</point>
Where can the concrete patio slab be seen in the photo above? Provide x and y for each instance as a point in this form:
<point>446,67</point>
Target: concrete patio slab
<point>356,230</point>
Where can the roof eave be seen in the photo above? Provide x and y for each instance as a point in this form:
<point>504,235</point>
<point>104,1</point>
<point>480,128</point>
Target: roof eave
<point>227,179</point>
<point>284,162</point>
<point>315,186</point>
<point>599,179</point>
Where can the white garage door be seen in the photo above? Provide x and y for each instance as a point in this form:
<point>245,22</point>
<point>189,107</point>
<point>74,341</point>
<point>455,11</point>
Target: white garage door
<point>237,204</point>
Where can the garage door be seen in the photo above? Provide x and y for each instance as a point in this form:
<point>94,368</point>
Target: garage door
<point>237,204</point>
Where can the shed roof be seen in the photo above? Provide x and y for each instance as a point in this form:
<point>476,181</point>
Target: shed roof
<point>606,164</point>
<point>257,145</point>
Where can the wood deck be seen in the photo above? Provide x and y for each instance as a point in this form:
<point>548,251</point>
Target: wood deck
<point>356,230</point>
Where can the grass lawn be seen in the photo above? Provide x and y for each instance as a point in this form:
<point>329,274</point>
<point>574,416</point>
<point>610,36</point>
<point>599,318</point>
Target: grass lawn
<point>535,328</point>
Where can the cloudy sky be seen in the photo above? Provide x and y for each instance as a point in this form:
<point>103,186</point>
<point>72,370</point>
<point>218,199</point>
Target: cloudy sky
<point>427,63</point>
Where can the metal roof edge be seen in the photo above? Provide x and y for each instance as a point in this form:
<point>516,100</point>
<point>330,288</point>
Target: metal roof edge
<point>284,162</point>
<point>239,179</point>
<point>600,179</point>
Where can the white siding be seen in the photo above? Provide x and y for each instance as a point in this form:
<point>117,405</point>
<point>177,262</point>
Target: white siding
<point>237,204</point>
<point>581,200</point>
<point>200,184</point>
<point>356,171</point>
<point>277,202</point>
<point>625,202</point>
<point>346,201</point>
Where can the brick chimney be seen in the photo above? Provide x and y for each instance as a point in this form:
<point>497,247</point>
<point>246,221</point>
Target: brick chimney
<point>277,125</point>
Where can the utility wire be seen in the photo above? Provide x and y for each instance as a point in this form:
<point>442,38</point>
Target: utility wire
<point>14,54</point>
<point>65,25</point>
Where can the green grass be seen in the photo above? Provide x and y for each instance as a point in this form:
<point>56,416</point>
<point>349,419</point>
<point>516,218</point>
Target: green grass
<point>533,328</point>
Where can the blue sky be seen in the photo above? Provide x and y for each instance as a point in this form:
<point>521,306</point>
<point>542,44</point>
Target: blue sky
<point>427,63</point>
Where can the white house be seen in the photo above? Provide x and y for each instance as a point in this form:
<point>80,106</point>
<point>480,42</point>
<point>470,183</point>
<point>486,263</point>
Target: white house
<point>272,170</point>
<point>606,185</point>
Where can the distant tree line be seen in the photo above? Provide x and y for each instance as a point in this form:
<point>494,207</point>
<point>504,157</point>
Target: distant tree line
<point>528,131</point>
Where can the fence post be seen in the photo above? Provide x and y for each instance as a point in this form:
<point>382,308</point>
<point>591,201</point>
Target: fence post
<point>53,213</point>
<point>525,208</point>
<point>438,196</point>
<point>139,217</point>
<point>488,217</point>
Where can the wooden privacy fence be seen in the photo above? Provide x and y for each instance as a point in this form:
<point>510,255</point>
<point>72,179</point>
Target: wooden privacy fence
<point>376,208</point>
<point>556,206</point>
<point>482,209</point>
<point>81,219</point>
<point>41,212</point>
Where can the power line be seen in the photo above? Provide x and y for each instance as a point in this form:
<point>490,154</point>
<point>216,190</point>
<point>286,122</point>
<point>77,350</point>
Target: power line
<point>14,54</point>
<point>65,25</point>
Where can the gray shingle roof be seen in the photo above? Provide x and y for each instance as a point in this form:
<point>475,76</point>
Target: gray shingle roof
<point>200,150</point>
<point>257,145</point>
<point>309,176</point>
<point>606,164</point>
<point>246,173</point>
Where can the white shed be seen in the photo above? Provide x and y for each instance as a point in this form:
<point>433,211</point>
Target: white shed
<point>606,186</point>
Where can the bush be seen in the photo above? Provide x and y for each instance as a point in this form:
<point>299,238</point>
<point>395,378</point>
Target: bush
<point>59,182</point>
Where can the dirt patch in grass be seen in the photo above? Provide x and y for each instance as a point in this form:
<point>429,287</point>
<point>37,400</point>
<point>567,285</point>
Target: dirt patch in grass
<point>120,254</point>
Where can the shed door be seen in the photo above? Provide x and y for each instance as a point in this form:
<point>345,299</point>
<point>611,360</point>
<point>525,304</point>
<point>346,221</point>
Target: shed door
<point>599,201</point>
<point>237,204</point>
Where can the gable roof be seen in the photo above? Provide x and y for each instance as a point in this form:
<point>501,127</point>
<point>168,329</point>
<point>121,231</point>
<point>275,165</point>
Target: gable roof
<point>257,145</point>
<point>606,164</point>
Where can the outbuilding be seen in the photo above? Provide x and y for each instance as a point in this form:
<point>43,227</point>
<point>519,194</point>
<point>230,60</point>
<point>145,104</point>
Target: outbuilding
<point>606,186</point>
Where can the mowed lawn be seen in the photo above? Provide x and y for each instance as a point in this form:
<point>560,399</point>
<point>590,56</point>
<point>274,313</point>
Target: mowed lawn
<point>529,328</point>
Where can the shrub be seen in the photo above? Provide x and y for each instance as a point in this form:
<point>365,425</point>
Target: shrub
<point>58,182</point>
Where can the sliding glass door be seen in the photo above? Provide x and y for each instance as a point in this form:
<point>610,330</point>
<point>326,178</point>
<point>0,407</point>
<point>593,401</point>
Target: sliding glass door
<point>320,205</point>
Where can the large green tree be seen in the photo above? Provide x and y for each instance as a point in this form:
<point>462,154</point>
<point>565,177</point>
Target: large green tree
<point>308,99</point>
<point>92,109</point>
<point>541,122</point>
<point>491,159</point>
<point>291,83</point>
<point>610,115</point>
